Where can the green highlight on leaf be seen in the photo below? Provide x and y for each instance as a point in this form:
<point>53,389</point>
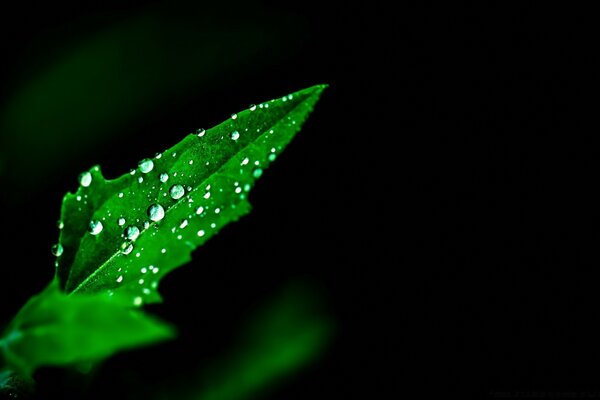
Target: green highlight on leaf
<point>120,237</point>
<point>56,329</point>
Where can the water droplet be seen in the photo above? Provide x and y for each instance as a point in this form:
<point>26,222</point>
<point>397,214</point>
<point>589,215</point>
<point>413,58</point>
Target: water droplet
<point>158,156</point>
<point>126,247</point>
<point>164,177</point>
<point>78,198</point>
<point>85,179</point>
<point>120,279</point>
<point>176,192</point>
<point>217,210</point>
<point>200,132</point>
<point>238,189</point>
<point>60,225</point>
<point>183,224</point>
<point>284,98</point>
<point>245,161</point>
<point>257,172</point>
<point>235,135</point>
<point>272,157</point>
<point>57,250</point>
<point>121,221</point>
<point>233,116</point>
<point>213,225</point>
<point>199,210</point>
<point>156,212</point>
<point>146,291</point>
<point>163,251</point>
<point>140,179</point>
<point>137,301</point>
<point>121,195</point>
<point>201,233</point>
<point>207,195</point>
<point>191,162</point>
<point>247,187</point>
<point>144,270</point>
<point>132,232</point>
<point>146,224</point>
<point>95,227</point>
<point>141,281</point>
<point>252,107</point>
<point>146,165</point>
<point>132,172</point>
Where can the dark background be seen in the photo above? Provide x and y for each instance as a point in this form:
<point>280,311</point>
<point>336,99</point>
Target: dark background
<point>441,198</point>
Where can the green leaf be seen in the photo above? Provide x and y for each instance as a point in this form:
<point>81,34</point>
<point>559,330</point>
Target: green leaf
<point>122,236</point>
<point>56,329</point>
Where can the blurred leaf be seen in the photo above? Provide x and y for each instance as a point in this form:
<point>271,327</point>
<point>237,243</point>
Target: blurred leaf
<point>93,90</point>
<point>122,236</point>
<point>286,336</point>
<point>56,329</point>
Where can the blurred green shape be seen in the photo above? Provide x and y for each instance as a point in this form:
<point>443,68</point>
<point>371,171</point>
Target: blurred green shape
<point>56,329</point>
<point>286,336</point>
<point>113,78</point>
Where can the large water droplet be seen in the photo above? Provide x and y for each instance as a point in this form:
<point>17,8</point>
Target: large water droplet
<point>95,227</point>
<point>156,212</point>
<point>126,247</point>
<point>164,177</point>
<point>200,132</point>
<point>235,135</point>
<point>57,250</point>
<point>132,232</point>
<point>85,179</point>
<point>146,165</point>
<point>176,192</point>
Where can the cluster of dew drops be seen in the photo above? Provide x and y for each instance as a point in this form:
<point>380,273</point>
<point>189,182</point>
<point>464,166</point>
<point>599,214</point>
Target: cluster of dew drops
<point>156,212</point>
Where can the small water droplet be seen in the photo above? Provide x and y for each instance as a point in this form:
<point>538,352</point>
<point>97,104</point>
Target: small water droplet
<point>121,221</point>
<point>140,179</point>
<point>146,224</point>
<point>120,279</point>
<point>146,291</point>
<point>233,116</point>
<point>199,210</point>
<point>164,177</point>
<point>163,251</point>
<point>132,232</point>
<point>247,187</point>
<point>252,107</point>
<point>60,225</point>
<point>191,162</point>
<point>57,250</point>
<point>201,233</point>
<point>238,189</point>
<point>176,192</point>
<point>158,156</point>
<point>137,301</point>
<point>200,132</point>
<point>207,195</point>
<point>213,225</point>
<point>257,172</point>
<point>121,195</point>
<point>235,135</point>
<point>272,157</point>
<point>95,227</point>
<point>141,281</point>
<point>146,165</point>
<point>156,212</point>
<point>217,210</point>
<point>144,270</point>
<point>132,172</point>
<point>183,224</point>
<point>85,179</point>
<point>245,161</point>
<point>78,198</point>
<point>126,247</point>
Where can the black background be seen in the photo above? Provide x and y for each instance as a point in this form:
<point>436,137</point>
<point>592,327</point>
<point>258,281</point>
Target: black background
<point>441,198</point>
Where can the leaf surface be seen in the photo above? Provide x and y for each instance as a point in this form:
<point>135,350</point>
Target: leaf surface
<point>122,236</point>
<point>56,329</point>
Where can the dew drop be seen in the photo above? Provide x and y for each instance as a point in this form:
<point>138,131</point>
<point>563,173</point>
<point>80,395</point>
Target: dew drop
<point>156,212</point>
<point>163,251</point>
<point>158,156</point>
<point>207,195</point>
<point>85,179</point>
<point>57,250</point>
<point>201,233</point>
<point>140,179</point>
<point>60,225</point>
<point>120,279</point>
<point>164,177</point>
<point>144,270</point>
<point>191,162</point>
<point>245,161</point>
<point>121,221</point>
<point>146,224</point>
<point>176,192</point>
<point>257,172</point>
<point>235,135</point>
<point>199,210</point>
<point>121,195</point>
<point>137,301</point>
<point>272,157</point>
<point>252,107</point>
<point>132,172</point>
<point>200,132</point>
<point>183,224</point>
<point>132,232</point>
<point>146,291</point>
<point>217,210</point>
<point>126,248</point>
<point>146,165</point>
<point>141,281</point>
<point>95,227</point>
<point>238,189</point>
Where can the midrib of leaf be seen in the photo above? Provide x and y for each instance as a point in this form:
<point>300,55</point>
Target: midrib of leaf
<point>106,263</point>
